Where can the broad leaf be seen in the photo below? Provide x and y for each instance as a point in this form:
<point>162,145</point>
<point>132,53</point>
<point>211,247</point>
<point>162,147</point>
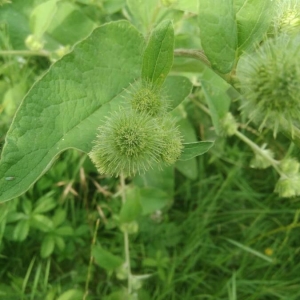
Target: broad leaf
<point>132,208</point>
<point>71,295</point>
<point>157,179</point>
<point>111,6</point>
<point>158,55</point>
<point>215,91</point>
<point>48,246</point>
<point>185,5</point>
<point>253,19</point>
<point>192,150</point>
<point>64,109</point>
<point>188,168</point>
<point>15,16</point>
<point>153,199</point>
<point>218,33</point>
<point>21,230</point>
<point>144,13</point>
<point>177,88</point>
<point>105,259</point>
<point>41,17</point>
<point>70,24</point>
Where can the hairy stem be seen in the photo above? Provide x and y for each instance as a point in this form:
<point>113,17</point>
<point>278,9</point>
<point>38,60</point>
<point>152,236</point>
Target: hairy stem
<point>191,53</point>
<point>251,144</point>
<point>91,261</point>
<point>259,151</point>
<point>126,237</point>
<point>24,53</point>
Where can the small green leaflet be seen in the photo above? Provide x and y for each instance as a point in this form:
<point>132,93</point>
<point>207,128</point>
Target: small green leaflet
<point>158,55</point>
<point>218,33</point>
<point>192,150</point>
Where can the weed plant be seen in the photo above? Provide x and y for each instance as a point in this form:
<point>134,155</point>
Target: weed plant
<point>181,175</point>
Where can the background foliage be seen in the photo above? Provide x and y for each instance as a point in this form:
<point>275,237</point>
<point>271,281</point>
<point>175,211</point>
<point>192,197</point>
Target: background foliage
<point>208,228</point>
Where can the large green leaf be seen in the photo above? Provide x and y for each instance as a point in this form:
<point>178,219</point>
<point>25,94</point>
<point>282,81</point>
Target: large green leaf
<point>158,55</point>
<point>153,199</point>
<point>106,259</point>
<point>156,189</point>
<point>253,19</point>
<point>218,33</point>
<point>186,5</point>
<point>70,24</point>
<point>41,17</point>
<point>215,91</point>
<point>177,88</point>
<point>64,109</point>
<point>192,150</point>
<point>188,167</point>
<point>145,13</point>
<point>15,16</point>
<point>71,295</point>
<point>132,208</point>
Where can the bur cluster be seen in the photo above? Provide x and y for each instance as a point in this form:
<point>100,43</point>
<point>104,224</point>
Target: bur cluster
<point>135,139</point>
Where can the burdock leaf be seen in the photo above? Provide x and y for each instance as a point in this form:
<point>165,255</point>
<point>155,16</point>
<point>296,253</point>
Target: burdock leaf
<point>65,107</point>
<point>218,33</point>
<point>192,150</point>
<point>158,55</point>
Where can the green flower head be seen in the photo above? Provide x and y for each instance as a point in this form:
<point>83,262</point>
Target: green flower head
<point>148,98</point>
<point>269,80</point>
<point>128,142</point>
<point>287,20</point>
<point>288,187</point>
<point>172,141</point>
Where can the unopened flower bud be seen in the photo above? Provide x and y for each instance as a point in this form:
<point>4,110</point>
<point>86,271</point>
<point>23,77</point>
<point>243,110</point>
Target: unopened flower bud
<point>289,166</point>
<point>288,186</point>
<point>228,125</point>
<point>33,43</point>
<point>130,228</point>
<point>260,161</point>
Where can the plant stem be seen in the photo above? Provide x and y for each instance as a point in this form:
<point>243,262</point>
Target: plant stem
<point>91,261</point>
<point>24,53</point>
<point>126,237</point>
<point>259,151</point>
<point>191,53</point>
<point>251,144</point>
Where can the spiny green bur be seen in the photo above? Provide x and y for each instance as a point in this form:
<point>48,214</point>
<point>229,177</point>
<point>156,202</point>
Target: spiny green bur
<point>128,143</point>
<point>146,100</point>
<point>146,97</point>
<point>270,82</point>
<point>133,140</point>
<point>172,141</point>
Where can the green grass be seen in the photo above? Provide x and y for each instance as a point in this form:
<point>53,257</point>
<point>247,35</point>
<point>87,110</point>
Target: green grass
<point>226,236</point>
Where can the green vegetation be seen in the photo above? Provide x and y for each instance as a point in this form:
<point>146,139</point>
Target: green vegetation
<point>149,149</point>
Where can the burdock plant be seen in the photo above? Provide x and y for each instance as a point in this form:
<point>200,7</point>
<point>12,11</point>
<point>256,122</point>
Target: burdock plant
<point>269,80</point>
<point>130,143</point>
<point>133,140</point>
<point>147,97</point>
